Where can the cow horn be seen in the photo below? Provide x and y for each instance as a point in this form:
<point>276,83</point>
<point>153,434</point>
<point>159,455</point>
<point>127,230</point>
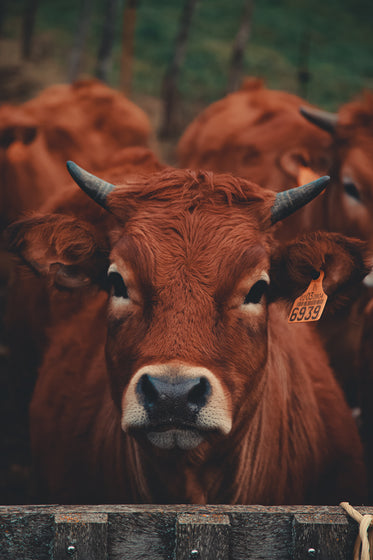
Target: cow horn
<point>322,119</point>
<point>287,202</point>
<point>96,188</point>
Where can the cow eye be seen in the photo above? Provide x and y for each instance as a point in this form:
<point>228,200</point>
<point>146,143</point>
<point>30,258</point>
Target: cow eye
<point>351,189</point>
<point>119,289</point>
<point>256,293</point>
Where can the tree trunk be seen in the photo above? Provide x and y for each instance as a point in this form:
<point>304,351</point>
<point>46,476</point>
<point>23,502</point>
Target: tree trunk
<point>80,39</point>
<point>129,22</point>
<point>303,73</point>
<point>170,93</point>
<point>28,26</point>
<point>4,4</point>
<point>107,40</point>
<point>239,45</point>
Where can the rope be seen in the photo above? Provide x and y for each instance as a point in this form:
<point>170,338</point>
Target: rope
<point>363,538</point>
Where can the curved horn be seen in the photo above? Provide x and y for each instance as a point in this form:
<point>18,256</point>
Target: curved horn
<point>322,119</point>
<point>96,188</point>
<point>287,202</point>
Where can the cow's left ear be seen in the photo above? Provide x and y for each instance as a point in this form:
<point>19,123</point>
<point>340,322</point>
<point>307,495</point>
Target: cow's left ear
<point>292,161</point>
<point>63,249</point>
<point>344,261</point>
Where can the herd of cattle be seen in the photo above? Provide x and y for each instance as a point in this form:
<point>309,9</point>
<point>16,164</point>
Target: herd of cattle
<point>147,307</point>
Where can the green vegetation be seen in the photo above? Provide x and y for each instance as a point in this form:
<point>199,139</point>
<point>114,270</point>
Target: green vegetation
<point>340,44</point>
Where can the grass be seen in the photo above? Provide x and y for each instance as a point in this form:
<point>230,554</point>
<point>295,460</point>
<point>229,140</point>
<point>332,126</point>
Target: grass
<point>340,51</point>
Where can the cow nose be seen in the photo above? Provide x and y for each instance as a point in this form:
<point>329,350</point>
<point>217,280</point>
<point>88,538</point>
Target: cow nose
<point>169,400</point>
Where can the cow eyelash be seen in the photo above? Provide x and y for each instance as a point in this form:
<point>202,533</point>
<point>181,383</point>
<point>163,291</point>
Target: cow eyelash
<point>119,289</point>
<point>256,293</point>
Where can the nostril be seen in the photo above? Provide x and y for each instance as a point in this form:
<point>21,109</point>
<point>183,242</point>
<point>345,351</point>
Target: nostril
<point>198,394</point>
<point>147,390</point>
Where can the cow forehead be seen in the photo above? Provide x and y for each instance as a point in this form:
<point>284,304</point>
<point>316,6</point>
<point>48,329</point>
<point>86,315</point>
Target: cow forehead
<point>201,246</point>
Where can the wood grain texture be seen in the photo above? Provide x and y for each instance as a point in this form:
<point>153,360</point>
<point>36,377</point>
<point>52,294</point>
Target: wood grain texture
<point>327,538</point>
<point>202,537</point>
<point>80,536</point>
<point>154,532</point>
<point>141,536</point>
<point>26,537</point>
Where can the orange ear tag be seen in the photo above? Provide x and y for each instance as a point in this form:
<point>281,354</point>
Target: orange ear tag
<point>310,305</point>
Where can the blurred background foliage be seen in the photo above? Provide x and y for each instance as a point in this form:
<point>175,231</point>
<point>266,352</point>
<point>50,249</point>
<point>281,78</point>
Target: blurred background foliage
<point>338,34</point>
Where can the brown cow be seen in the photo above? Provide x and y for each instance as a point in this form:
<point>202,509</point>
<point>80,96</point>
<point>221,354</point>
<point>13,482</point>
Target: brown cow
<point>347,207</point>
<point>256,133</point>
<point>184,382</point>
<point>86,120</point>
<point>366,387</point>
<point>348,203</point>
<point>31,307</point>
<point>259,134</point>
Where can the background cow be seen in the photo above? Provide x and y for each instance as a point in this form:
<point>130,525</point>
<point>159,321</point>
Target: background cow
<point>32,304</point>
<point>348,208</point>
<point>348,203</point>
<point>202,392</point>
<point>365,372</point>
<point>86,120</point>
<point>259,134</point>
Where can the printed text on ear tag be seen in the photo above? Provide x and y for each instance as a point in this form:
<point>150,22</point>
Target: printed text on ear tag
<point>310,305</point>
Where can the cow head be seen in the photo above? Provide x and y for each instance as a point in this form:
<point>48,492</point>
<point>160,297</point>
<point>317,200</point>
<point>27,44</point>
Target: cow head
<point>349,199</point>
<point>256,133</point>
<point>191,271</point>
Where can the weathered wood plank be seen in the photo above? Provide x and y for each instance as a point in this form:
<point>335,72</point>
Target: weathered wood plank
<point>260,536</point>
<point>329,537</point>
<point>142,535</point>
<point>139,532</point>
<point>26,536</point>
<point>202,537</point>
<point>183,508</point>
<point>80,536</point>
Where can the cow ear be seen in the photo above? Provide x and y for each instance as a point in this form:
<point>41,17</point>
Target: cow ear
<point>344,261</point>
<point>292,161</point>
<point>60,247</point>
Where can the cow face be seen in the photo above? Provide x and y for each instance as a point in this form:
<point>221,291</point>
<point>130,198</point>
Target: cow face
<point>191,270</point>
<point>187,307</point>
<point>349,200</point>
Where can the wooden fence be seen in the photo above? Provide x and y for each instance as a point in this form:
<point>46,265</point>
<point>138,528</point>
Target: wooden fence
<point>176,532</point>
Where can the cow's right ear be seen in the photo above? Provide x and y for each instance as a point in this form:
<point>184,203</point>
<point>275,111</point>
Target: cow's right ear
<point>60,247</point>
<point>344,261</point>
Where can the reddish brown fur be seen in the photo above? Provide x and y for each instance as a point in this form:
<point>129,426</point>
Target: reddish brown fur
<point>255,133</point>
<point>31,304</point>
<point>190,238</point>
<point>365,371</point>
<point>259,134</point>
<point>85,121</point>
<point>352,158</point>
<point>349,209</point>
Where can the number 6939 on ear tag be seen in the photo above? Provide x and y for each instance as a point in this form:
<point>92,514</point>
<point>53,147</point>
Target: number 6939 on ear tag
<point>310,305</point>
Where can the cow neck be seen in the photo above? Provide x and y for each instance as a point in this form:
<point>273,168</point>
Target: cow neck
<point>286,432</point>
